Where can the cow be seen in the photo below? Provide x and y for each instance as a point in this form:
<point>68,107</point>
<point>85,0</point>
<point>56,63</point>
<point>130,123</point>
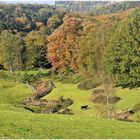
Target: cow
<point>84,107</point>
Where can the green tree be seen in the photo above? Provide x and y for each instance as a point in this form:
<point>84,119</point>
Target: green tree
<point>36,49</point>
<point>124,52</point>
<point>53,23</point>
<point>10,51</point>
<point>91,49</point>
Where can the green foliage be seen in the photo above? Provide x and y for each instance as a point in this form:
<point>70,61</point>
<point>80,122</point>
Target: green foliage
<point>82,49</point>
<point>78,46</point>
<point>91,50</point>
<point>114,7</point>
<point>24,17</point>
<point>23,76</point>
<point>36,49</point>
<point>1,67</point>
<point>30,77</point>
<point>24,28</point>
<point>53,23</point>
<point>82,7</point>
<point>96,8</point>
<point>10,55</point>
<point>71,79</point>
<point>124,52</point>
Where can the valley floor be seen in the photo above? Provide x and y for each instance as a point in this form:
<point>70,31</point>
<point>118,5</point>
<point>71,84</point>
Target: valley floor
<point>15,122</point>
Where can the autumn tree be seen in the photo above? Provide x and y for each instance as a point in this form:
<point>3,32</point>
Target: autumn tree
<point>62,51</point>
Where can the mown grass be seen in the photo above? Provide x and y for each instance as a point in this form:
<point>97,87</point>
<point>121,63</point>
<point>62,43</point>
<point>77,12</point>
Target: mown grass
<point>15,122</point>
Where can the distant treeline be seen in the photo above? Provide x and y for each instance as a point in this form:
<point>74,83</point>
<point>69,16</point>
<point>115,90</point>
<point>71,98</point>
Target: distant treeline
<point>24,29</point>
<point>100,48</point>
<point>96,8</point>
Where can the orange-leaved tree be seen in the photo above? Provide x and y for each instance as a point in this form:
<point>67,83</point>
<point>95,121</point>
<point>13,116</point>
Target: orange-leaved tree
<point>62,51</point>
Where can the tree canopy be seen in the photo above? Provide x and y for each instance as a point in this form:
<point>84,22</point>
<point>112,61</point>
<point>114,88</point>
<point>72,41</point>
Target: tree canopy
<point>124,51</point>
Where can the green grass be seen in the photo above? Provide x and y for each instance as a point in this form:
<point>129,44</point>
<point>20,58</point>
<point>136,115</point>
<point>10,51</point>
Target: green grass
<point>80,97</point>
<point>27,125</point>
<point>15,122</point>
<point>12,94</point>
<point>129,98</point>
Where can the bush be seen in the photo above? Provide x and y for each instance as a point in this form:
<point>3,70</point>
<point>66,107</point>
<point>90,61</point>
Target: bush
<point>22,76</point>
<point>1,67</point>
<point>29,77</point>
<point>6,75</point>
<point>66,79</point>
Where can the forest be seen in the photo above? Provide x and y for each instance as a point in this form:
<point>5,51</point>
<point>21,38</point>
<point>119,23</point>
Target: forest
<point>77,59</point>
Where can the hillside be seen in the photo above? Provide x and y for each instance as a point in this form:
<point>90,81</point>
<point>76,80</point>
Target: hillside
<point>24,124</point>
<point>96,8</point>
<point>79,6</point>
<point>70,71</point>
<point>25,17</point>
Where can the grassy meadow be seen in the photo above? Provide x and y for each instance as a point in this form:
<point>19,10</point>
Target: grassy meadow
<point>69,70</point>
<point>16,122</point>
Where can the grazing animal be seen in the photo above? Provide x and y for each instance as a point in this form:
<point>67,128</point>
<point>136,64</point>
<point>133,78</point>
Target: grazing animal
<point>84,107</point>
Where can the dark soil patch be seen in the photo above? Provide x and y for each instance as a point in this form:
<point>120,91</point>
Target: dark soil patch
<point>87,85</point>
<point>102,99</point>
<point>98,91</point>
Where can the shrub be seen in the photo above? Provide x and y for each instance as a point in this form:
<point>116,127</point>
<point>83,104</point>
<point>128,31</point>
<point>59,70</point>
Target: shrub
<point>22,76</point>
<point>1,67</point>
<point>29,77</point>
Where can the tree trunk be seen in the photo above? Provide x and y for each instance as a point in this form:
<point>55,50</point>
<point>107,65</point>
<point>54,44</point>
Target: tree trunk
<point>10,69</point>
